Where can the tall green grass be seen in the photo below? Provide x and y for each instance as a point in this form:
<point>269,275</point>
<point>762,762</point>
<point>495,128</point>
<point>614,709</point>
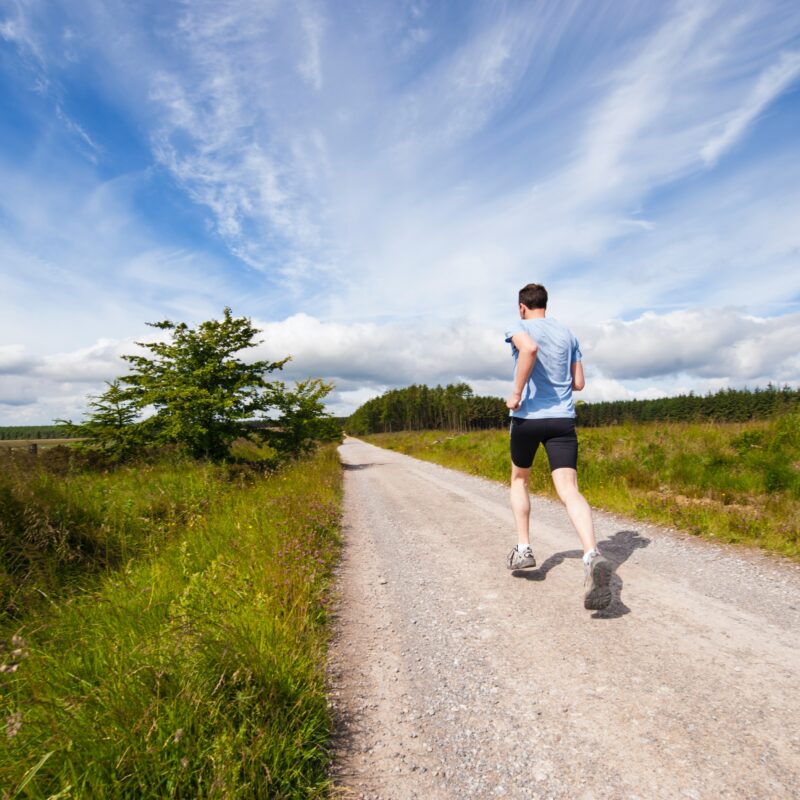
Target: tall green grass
<point>734,482</point>
<point>60,527</point>
<point>183,657</point>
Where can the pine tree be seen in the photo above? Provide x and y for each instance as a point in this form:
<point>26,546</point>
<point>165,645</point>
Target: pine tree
<point>112,425</point>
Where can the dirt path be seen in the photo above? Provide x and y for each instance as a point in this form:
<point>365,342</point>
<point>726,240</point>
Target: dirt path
<point>454,678</point>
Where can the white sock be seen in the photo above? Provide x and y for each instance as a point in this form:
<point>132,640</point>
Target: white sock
<point>587,557</point>
<point>522,547</point>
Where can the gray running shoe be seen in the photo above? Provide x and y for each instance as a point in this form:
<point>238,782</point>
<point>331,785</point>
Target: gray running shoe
<point>598,578</point>
<point>517,560</point>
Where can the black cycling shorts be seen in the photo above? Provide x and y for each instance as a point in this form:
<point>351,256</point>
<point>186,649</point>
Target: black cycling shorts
<point>557,434</point>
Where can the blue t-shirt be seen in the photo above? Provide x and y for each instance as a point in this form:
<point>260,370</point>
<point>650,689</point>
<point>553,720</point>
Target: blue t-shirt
<point>548,392</point>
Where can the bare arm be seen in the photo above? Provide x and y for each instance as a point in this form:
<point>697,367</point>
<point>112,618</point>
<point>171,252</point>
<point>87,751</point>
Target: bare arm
<point>525,360</point>
<point>578,380</point>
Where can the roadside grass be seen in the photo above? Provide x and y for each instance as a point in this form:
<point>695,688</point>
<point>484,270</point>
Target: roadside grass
<point>62,526</point>
<point>180,650</point>
<point>732,482</point>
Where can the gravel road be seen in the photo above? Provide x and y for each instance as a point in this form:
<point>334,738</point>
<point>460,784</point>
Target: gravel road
<point>452,677</point>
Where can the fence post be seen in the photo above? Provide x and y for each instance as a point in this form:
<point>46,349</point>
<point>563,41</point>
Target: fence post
<point>33,449</point>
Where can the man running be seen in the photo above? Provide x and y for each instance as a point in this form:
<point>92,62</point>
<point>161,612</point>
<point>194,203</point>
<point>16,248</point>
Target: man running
<point>547,369</point>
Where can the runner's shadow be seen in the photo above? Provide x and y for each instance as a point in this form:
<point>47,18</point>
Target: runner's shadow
<point>617,548</point>
<point>361,466</point>
<point>621,546</point>
<point>540,573</point>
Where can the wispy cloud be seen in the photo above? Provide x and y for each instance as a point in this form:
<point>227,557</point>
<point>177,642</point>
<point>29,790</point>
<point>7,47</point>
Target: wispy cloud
<point>218,136</point>
<point>390,172</point>
<point>19,28</point>
<point>313,25</point>
<point>771,83</point>
<point>16,28</point>
<point>92,149</point>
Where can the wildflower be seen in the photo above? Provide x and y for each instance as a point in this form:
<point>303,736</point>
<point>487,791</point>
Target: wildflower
<point>13,724</point>
<point>13,654</point>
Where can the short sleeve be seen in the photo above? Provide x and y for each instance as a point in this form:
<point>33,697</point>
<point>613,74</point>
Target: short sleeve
<point>576,351</point>
<point>514,328</point>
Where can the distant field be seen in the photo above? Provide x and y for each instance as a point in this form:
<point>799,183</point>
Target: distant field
<point>33,432</point>
<point>733,482</point>
<point>11,444</point>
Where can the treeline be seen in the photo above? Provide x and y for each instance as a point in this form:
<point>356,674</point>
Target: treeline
<point>728,405</point>
<point>417,408</point>
<point>34,432</point>
<point>455,407</point>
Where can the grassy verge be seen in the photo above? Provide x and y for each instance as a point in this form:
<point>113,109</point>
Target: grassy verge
<point>730,482</point>
<point>182,656</point>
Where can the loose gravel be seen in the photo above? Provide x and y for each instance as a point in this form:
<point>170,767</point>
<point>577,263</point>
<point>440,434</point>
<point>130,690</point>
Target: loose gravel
<point>451,677</point>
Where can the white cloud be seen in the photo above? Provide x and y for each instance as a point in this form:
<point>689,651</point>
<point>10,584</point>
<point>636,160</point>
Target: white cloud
<point>710,343</point>
<point>99,362</point>
<point>226,125</point>
<point>16,391</point>
<point>344,403</point>
<point>713,344</point>
<point>35,401</point>
<point>491,214</point>
<point>390,354</point>
<point>12,359</point>
<point>77,265</point>
<point>652,356</point>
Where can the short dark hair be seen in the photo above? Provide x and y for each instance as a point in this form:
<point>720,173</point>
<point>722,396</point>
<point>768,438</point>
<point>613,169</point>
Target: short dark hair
<point>534,295</point>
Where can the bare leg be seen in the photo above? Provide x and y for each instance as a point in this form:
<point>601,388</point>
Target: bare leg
<point>521,502</point>
<point>565,480</point>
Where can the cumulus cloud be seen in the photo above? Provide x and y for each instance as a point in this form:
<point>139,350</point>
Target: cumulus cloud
<point>98,362</point>
<point>709,343</point>
<point>651,356</point>
<point>725,345</point>
<point>17,391</point>
<point>13,359</point>
<point>386,355</point>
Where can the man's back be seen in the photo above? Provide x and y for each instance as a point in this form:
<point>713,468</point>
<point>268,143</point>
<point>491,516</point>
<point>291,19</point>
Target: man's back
<point>548,392</point>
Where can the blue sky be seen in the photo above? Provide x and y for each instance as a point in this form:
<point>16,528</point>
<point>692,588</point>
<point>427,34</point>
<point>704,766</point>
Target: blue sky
<point>373,182</point>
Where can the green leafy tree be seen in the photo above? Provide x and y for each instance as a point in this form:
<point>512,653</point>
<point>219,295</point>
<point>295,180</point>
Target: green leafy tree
<point>193,390</point>
<point>201,393</point>
<point>302,420</point>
